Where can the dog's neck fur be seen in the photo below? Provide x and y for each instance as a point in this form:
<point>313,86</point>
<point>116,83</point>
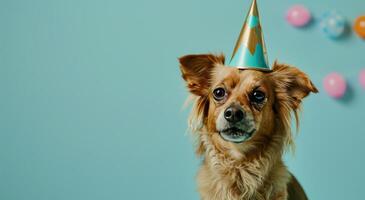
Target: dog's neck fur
<point>245,177</point>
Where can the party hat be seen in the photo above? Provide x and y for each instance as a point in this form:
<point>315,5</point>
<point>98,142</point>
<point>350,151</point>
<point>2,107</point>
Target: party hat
<point>250,50</point>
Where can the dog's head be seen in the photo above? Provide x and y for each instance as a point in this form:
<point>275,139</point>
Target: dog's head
<point>242,108</point>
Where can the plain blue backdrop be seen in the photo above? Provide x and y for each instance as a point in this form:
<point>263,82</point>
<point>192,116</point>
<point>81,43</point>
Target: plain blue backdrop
<point>91,96</point>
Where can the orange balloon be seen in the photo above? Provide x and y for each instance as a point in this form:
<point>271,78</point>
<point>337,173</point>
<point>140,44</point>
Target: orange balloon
<point>359,26</point>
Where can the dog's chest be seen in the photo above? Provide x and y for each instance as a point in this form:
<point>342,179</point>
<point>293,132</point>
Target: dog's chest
<point>221,182</point>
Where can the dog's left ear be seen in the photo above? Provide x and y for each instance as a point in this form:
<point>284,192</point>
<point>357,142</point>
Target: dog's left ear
<point>291,84</point>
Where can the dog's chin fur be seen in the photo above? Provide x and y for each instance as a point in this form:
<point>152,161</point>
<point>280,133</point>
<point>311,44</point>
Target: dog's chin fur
<point>251,170</point>
<point>254,168</point>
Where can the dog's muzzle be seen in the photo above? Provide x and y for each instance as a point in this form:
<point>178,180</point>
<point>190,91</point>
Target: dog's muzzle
<point>235,126</point>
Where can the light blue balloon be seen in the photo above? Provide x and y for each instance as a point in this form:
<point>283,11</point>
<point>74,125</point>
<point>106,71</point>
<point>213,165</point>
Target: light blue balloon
<point>333,24</point>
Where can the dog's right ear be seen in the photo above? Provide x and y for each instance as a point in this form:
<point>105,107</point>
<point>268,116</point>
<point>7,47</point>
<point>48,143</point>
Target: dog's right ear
<point>197,71</point>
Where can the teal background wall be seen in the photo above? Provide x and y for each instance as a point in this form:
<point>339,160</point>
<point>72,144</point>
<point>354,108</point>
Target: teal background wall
<point>91,96</point>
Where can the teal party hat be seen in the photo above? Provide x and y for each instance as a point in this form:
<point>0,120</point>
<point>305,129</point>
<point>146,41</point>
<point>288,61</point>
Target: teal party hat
<point>250,51</point>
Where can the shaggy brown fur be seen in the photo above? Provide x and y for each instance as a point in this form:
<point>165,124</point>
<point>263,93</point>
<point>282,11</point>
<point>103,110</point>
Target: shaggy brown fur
<point>253,169</point>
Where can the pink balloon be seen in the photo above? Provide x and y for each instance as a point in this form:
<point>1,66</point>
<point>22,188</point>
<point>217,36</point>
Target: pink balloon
<point>335,85</point>
<point>362,78</point>
<point>298,16</point>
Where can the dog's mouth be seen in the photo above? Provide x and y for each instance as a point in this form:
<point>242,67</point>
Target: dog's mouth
<point>236,135</point>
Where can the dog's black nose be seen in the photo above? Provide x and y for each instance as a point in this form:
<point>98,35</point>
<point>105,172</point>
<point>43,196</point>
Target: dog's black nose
<point>234,114</point>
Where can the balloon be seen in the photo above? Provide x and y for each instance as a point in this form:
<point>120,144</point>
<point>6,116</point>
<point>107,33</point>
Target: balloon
<point>333,24</point>
<point>359,26</point>
<point>362,78</point>
<point>335,85</point>
<point>298,16</point>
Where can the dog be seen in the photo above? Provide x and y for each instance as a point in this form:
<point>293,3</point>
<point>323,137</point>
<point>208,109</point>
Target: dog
<point>241,120</point>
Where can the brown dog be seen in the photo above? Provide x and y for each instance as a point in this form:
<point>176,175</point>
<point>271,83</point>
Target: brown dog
<point>242,122</point>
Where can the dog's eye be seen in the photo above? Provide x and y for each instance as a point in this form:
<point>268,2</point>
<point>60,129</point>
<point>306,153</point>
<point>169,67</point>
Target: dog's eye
<point>219,94</point>
<point>257,96</point>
